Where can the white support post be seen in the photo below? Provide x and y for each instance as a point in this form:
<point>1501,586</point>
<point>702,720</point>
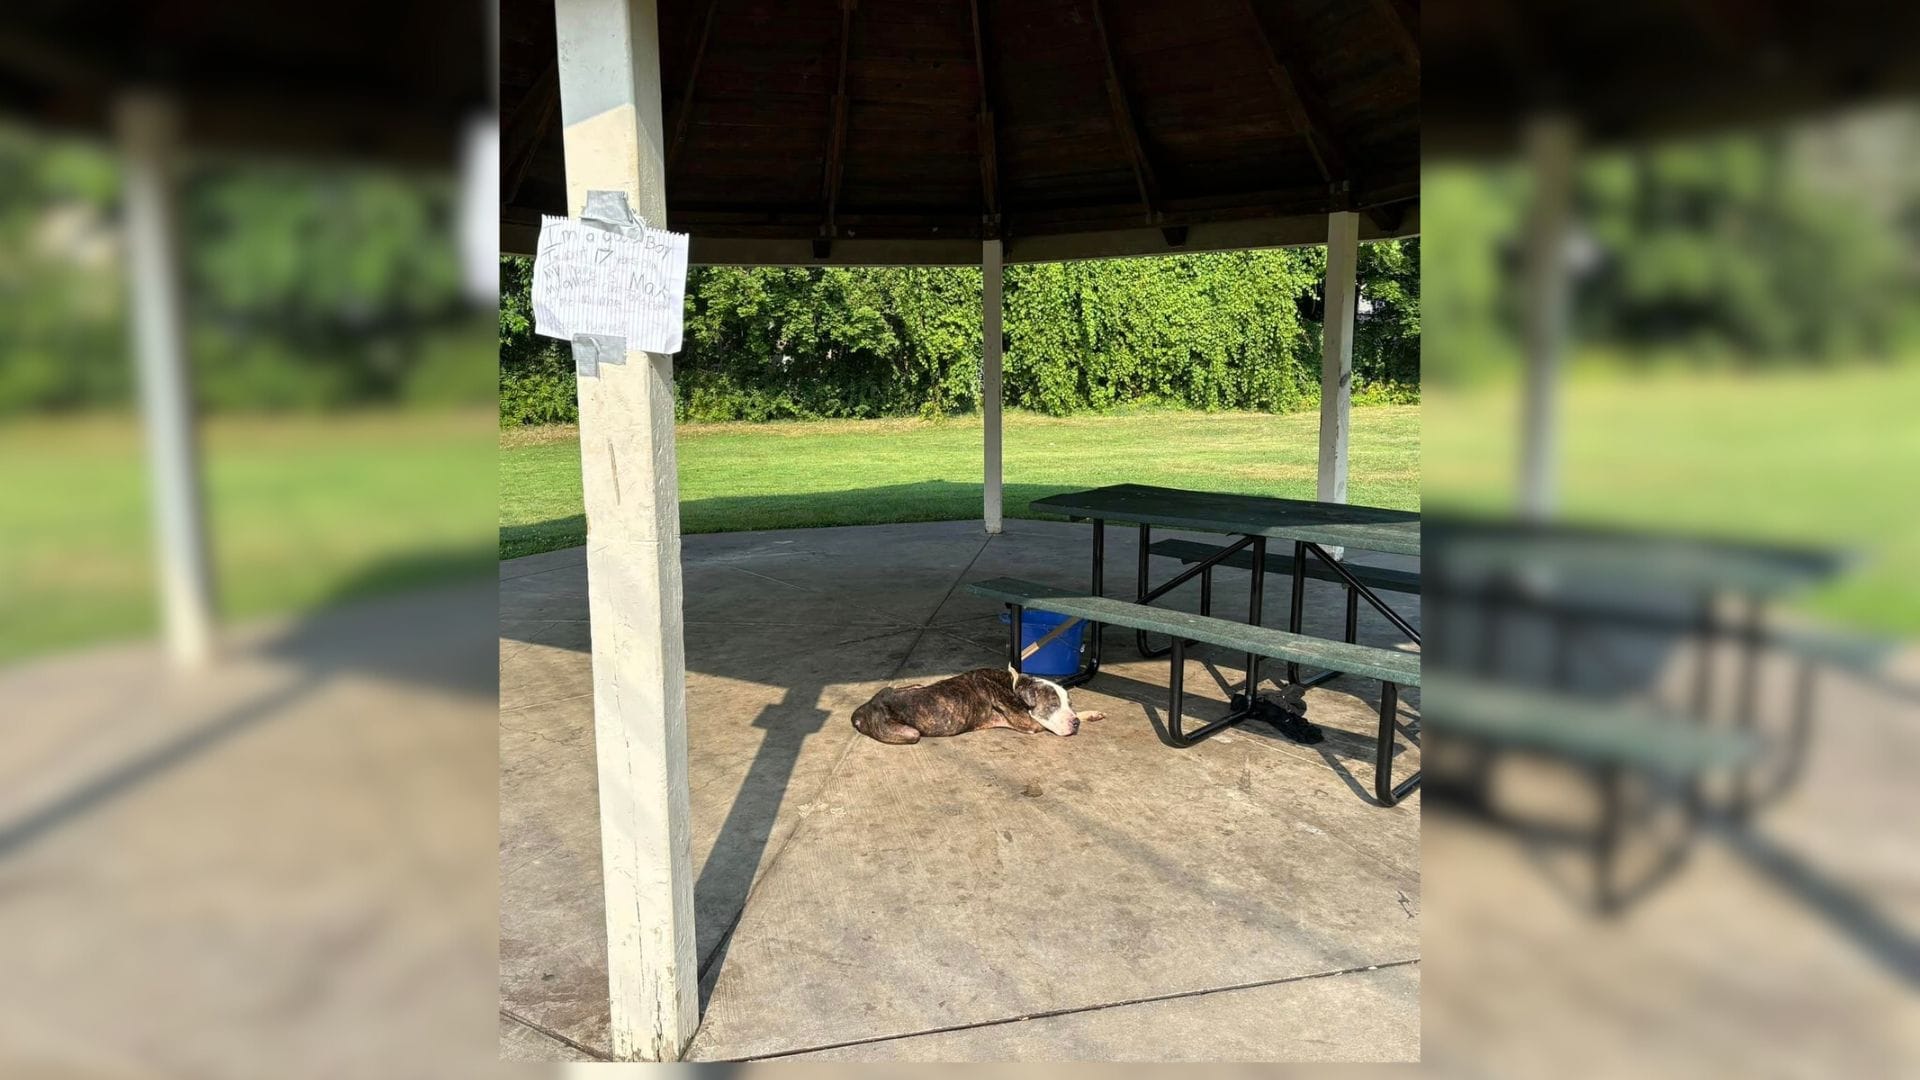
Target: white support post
<point>148,130</point>
<point>609,58</point>
<point>1336,353</point>
<point>1550,151</point>
<point>990,268</point>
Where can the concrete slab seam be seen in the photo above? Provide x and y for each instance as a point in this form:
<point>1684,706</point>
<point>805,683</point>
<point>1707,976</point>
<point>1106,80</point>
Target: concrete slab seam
<point>1048,1014</point>
<point>539,1029</point>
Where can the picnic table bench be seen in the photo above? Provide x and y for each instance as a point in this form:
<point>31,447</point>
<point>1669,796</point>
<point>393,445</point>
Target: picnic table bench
<point>1715,591</point>
<point>1392,668</point>
<point>1610,739</point>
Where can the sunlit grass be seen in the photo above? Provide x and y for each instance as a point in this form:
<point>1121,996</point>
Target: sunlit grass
<point>768,476</point>
<point>303,511</point>
<point>1822,456</point>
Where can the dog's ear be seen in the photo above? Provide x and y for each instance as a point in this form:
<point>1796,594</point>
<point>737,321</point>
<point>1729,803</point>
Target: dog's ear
<point>1015,674</point>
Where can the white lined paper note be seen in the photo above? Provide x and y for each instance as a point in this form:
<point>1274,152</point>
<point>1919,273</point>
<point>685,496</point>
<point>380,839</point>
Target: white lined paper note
<point>588,280</point>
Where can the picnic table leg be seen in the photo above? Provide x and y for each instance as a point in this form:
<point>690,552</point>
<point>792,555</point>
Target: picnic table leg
<point>1606,852</point>
<point>1254,613</point>
<point>1204,570</point>
<point>1353,616</point>
<point>1383,786</point>
<point>1140,582</point>
<point>1696,793</point>
<point>1492,624</point>
<point>1745,702</point>
<point>1299,601</point>
<point>1799,733</point>
<point>1013,636</point>
<point>1562,663</point>
<point>1098,588</point>
<point>1373,600</point>
<point>1177,703</point>
<point>1099,584</point>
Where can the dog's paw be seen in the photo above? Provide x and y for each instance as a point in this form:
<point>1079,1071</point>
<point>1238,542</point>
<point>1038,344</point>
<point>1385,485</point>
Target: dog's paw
<point>1086,716</point>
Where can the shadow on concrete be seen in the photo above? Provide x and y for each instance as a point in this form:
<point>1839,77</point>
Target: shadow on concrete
<point>434,638</point>
<point>1878,937</point>
<point>1336,749</point>
<point>890,504</point>
<point>733,863</point>
<point>731,869</point>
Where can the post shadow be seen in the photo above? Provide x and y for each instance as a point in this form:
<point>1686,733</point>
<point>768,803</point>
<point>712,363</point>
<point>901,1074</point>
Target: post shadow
<point>425,638</point>
<point>733,864</point>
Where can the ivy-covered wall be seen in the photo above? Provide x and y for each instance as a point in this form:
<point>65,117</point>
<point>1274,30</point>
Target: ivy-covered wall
<point>1234,330</point>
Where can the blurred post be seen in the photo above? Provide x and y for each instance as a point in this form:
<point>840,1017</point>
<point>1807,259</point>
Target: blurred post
<point>148,127</point>
<point>990,262</point>
<point>609,59</point>
<point>480,181</point>
<point>1336,353</point>
<point>1550,152</point>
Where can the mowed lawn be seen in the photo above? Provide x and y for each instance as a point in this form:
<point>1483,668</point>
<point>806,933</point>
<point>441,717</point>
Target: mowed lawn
<point>1828,457</point>
<point>789,475</point>
<point>303,511</point>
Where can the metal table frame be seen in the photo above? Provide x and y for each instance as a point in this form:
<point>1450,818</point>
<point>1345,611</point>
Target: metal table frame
<point>1356,591</point>
<point>1384,787</point>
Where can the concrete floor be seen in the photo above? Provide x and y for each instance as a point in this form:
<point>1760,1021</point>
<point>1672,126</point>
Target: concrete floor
<point>283,864</point>
<point>986,897</point>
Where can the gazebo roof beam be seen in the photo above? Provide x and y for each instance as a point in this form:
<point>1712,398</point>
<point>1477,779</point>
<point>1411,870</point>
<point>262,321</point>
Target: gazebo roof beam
<point>837,134</point>
<point>1308,111</point>
<point>522,133</point>
<point>988,134</point>
<point>1123,121</point>
<point>683,105</point>
<point>1403,23</point>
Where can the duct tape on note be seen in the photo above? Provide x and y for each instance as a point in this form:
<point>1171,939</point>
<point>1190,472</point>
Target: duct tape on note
<point>609,283</point>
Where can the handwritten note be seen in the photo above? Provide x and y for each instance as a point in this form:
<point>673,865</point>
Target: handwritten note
<point>588,280</point>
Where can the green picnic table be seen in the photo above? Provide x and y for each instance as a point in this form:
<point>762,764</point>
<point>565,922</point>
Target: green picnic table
<point>1370,528</point>
<point>1576,581</point>
<point>1312,526</point>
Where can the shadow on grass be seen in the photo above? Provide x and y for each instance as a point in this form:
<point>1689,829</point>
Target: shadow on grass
<point>926,500</point>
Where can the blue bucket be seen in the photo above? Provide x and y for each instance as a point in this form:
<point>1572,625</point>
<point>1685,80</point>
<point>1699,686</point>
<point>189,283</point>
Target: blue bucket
<point>1061,656</point>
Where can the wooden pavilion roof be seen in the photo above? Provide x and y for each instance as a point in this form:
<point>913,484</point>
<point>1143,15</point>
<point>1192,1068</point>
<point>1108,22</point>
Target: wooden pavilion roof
<point>369,79</point>
<point>909,130</point>
<point>1632,70</point>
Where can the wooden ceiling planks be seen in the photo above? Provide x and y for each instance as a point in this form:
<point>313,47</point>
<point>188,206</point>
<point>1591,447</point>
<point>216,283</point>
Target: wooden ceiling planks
<point>354,79</point>
<point>942,120</point>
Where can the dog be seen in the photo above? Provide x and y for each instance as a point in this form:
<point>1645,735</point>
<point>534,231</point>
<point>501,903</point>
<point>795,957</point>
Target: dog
<point>970,701</point>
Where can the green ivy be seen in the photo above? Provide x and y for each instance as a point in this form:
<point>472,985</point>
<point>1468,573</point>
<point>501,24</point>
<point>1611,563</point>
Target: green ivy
<point>1220,331</point>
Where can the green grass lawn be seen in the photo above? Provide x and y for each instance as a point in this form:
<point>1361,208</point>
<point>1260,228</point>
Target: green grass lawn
<point>1829,457</point>
<point>303,511</point>
<point>786,475</point>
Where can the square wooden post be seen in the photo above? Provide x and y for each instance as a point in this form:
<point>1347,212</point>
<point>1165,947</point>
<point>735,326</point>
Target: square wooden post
<point>1336,353</point>
<point>1550,143</point>
<point>148,132</point>
<point>609,62</point>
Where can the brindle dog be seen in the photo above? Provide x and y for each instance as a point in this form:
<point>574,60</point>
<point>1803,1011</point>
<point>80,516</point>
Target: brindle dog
<point>970,701</point>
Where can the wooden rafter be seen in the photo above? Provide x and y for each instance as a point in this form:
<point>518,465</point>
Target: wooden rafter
<point>1389,216</point>
<point>1123,121</point>
<point>837,136</point>
<point>683,105</point>
<point>1308,111</point>
<point>988,134</point>
<point>522,133</point>
<point>1402,18</point>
